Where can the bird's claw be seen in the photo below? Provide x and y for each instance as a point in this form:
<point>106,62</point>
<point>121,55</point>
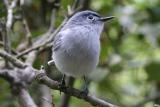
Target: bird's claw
<point>85,92</point>
<point>62,85</point>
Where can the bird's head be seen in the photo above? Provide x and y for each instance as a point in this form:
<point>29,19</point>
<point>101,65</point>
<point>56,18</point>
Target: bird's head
<point>88,18</point>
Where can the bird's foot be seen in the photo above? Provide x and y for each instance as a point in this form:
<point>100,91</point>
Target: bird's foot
<point>62,85</point>
<point>84,91</point>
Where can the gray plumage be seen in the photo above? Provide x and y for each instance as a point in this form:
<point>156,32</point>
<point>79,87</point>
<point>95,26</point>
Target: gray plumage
<point>76,47</point>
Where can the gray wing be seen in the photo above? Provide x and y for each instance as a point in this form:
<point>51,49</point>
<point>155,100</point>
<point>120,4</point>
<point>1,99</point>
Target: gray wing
<point>55,46</point>
<point>57,42</point>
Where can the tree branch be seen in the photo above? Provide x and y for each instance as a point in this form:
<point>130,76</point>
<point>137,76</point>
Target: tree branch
<point>18,80</point>
<point>46,98</point>
<point>42,78</point>
<point>50,36</point>
<point>24,98</point>
<point>25,73</point>
<point>27,31</point>
<point>7,41</point>
<point>47,41</point>
<point>12,59</point>
<point>66,98</point>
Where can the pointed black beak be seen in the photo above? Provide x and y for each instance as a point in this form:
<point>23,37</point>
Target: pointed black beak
<point>104,19</point>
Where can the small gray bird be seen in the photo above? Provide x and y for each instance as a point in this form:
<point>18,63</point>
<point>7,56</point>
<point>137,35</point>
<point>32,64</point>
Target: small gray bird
<point>76,48</point>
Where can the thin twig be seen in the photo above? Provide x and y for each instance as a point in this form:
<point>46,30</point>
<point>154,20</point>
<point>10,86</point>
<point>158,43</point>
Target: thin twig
<point>12,59</point>
<point>53,14</point>
<point>7,41</point>
<point>52,20</point>
<point>49,34</point>
<point>47,41</point>
<point>75,4</point>
<point>10,7</point>
<point>27,32</point>
<point>13,51</point>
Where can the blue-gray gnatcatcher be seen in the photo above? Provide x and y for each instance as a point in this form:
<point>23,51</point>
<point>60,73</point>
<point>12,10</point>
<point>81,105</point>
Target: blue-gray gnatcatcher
<point>76,47</point>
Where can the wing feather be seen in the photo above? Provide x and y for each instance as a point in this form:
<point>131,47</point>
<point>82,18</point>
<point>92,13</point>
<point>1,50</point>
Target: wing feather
<point>57,42</point>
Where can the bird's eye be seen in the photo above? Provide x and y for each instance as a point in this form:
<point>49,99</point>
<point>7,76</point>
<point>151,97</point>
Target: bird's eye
<point>90,17</point>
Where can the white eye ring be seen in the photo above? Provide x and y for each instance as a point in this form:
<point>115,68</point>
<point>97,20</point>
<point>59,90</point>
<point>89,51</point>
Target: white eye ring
<point>90,17</point>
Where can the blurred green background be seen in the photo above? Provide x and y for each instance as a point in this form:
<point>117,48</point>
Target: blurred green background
<point>129,68</point>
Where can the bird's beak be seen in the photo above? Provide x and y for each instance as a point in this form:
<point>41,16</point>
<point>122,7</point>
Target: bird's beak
<point>104,19</point>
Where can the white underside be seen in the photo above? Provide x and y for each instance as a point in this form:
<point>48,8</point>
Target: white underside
<point>79,57</point>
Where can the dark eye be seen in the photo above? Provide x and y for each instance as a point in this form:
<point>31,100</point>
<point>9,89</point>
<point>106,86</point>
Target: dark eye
<point>90,17</point>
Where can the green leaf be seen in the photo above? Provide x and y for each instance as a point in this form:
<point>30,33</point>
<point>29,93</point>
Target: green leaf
<point>153,71</point>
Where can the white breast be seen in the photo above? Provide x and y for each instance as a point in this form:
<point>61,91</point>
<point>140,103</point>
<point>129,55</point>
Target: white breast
<point>79,53</point>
